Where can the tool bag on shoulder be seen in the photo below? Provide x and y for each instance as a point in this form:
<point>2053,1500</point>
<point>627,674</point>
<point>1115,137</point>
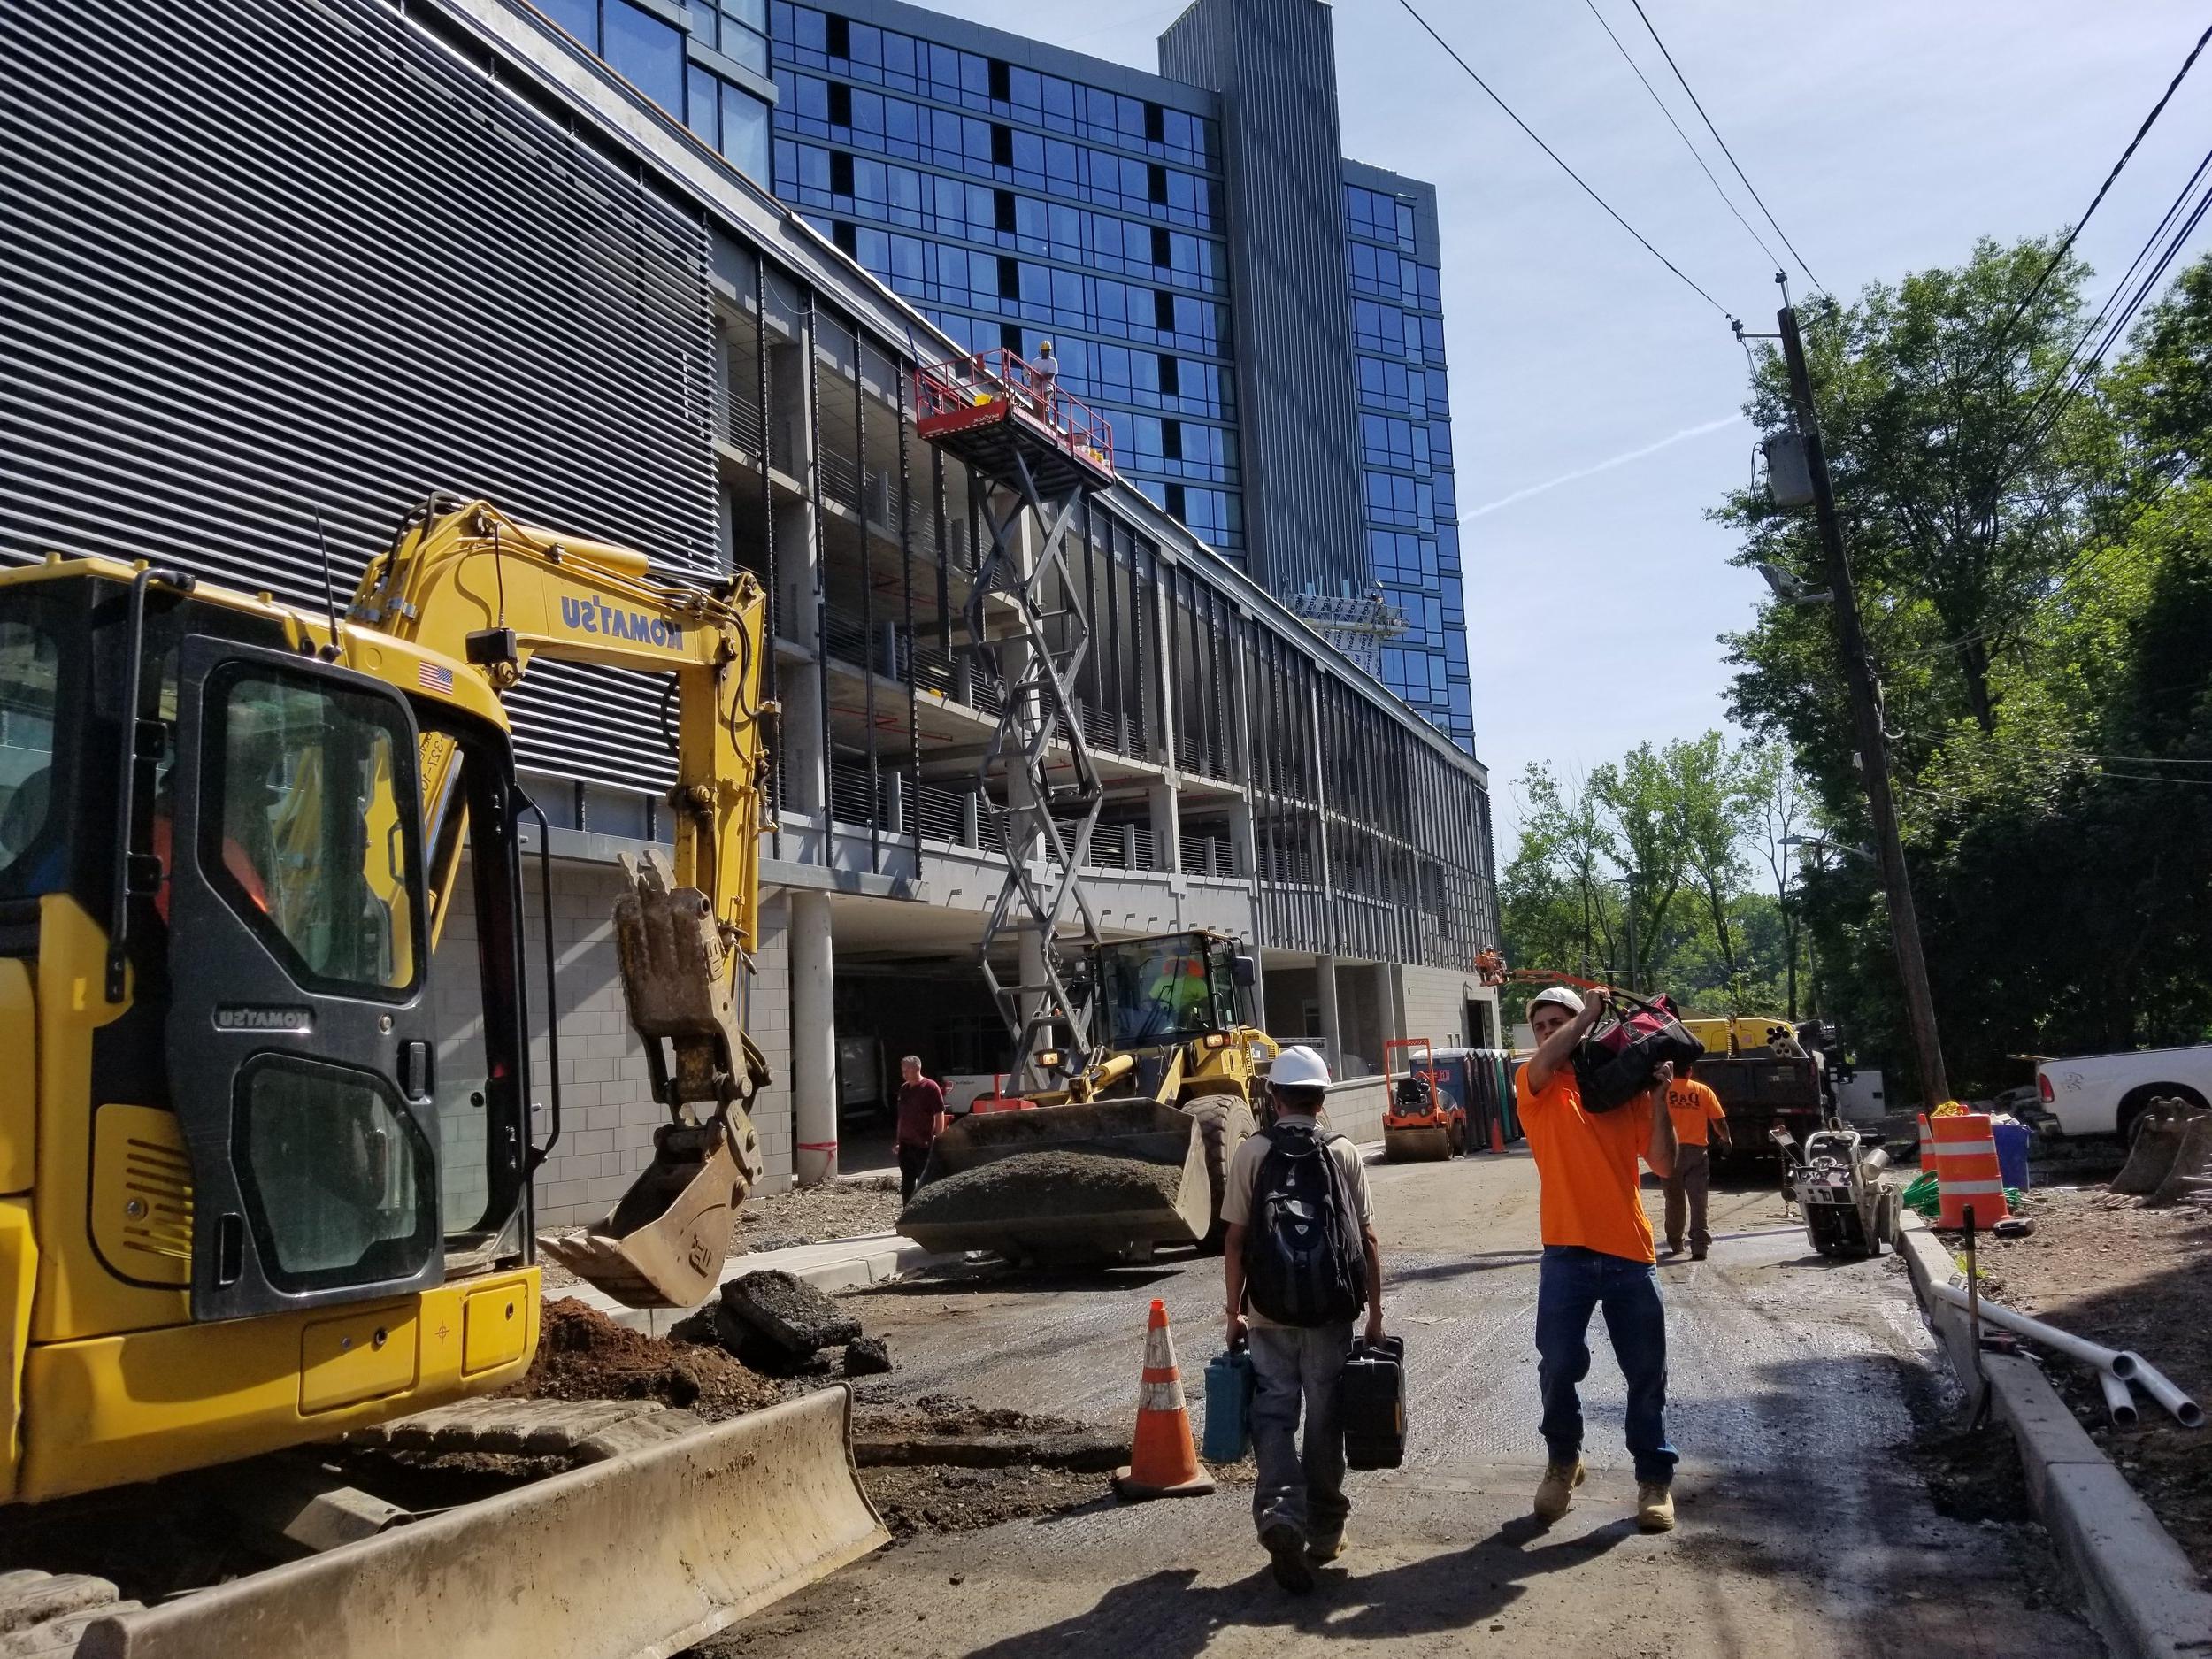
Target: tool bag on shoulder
<point>1614,1067</point>
<point>1304,1262</point>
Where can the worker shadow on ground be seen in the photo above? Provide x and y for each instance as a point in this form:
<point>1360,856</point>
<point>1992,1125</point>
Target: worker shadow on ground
<point>1168,1615</point>
<point>1458,1266</point>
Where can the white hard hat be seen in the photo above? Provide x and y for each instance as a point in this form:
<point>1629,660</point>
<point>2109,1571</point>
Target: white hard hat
<point>1560,994</point>
<point>1298,1066</point>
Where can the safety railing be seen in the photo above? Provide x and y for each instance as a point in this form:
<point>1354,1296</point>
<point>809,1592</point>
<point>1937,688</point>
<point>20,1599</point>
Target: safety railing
<point>944,392</point>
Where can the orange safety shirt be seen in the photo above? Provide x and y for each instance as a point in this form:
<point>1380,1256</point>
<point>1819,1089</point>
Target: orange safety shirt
<point>1586,1164</point>
<point>1693,1106</point>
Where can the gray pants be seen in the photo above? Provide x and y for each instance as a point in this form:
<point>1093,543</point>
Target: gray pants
<point>1686,1190</point>
<point>1292,1368</point>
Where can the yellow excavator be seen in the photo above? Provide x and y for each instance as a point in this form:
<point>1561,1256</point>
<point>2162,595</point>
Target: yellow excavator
<point>1131,1153</point>
<point>258,868</point>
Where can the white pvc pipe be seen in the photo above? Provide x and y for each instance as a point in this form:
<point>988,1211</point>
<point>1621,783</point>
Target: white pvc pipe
<point>2186,1411</point>
<point>2119,1401</point>
<point>2121,1364</point>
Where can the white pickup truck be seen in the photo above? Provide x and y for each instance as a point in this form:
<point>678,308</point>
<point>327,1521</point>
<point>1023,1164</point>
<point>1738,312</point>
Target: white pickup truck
<point>2103,1094</point>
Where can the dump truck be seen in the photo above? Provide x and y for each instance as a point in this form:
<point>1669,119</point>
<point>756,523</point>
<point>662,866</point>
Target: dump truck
<point>258,1197</point>
<point>1131,1153</point>
<point>1764,1074</point>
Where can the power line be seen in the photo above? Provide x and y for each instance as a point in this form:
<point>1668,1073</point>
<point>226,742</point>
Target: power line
<point>2066,244</point>
<point>1429,30</point>
<point>1725,151</point>
<point>1726,201</point>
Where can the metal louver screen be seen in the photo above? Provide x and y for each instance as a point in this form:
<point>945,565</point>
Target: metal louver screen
<point>263,259</point>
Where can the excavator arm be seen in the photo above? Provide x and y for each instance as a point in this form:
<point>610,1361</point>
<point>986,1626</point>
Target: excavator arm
<point>466,580</point>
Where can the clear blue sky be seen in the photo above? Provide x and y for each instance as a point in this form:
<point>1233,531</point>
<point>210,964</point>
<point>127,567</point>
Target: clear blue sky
<point>1885,135</point>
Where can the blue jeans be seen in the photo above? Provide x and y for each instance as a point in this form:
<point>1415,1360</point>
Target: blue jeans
<point>1572,1283</point>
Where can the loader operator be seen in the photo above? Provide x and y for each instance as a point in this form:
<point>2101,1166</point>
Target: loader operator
<point>1597,1253</point>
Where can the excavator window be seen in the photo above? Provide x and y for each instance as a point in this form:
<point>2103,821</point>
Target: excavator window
<point>307,831</point>
<point>34,852</point>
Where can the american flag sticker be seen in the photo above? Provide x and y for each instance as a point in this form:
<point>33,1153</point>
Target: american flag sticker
<point>432,677</point>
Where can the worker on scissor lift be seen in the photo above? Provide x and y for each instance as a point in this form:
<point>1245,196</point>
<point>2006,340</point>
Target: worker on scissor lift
<point>1044,381</point>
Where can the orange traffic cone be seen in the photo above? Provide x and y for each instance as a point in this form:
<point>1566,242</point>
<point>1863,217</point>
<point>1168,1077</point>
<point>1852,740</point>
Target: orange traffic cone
<point>1163,1460</point>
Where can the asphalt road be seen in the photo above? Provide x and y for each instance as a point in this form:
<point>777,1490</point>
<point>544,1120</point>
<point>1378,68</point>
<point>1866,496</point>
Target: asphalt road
<point>1793,1384</point>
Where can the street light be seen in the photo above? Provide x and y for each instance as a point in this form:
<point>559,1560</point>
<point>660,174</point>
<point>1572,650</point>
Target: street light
<point>1791,590</point>
<point>1827,845</point>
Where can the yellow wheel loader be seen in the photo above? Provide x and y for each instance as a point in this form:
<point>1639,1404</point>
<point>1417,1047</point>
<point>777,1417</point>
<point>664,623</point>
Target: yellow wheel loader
<point>255,1191</point>
<point>1132,1152</point>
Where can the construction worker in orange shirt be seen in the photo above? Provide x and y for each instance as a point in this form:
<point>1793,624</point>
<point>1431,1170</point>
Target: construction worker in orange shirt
<point>1696,1111</point>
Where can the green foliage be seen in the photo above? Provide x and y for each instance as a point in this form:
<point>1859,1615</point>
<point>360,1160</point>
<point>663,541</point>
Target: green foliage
<point>2035,574</point>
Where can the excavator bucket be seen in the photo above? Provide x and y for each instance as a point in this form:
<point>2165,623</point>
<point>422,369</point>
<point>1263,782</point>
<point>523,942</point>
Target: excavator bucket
<point>638,1558</point>
<point>1110,1181</point>
<point>662,1246</point>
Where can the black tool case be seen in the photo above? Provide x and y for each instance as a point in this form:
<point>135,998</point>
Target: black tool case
<point>1371,1404</point>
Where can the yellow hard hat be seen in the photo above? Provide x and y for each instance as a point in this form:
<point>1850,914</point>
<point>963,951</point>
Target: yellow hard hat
<point>1044,345</point>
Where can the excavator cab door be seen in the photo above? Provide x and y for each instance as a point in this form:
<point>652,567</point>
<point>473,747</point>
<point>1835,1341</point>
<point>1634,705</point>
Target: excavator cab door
<point>301,1052</point>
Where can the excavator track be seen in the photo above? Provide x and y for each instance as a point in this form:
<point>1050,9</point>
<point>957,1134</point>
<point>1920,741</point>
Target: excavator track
<point>580,1431</point>
<point>43,1615</point>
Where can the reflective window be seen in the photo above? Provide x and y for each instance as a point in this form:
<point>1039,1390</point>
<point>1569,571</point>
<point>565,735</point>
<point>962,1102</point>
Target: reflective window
<point>645,52</point>
<point>338,1176</point>
<point>33,852</point>
<point>309,828</point>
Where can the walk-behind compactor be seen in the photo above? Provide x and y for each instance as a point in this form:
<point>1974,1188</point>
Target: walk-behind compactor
<point>1130,1154</point>
<point>254,1195</point>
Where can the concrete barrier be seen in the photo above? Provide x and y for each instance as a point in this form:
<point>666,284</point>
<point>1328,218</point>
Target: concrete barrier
<point>2142,1595</point>
<point>1356,1108</point>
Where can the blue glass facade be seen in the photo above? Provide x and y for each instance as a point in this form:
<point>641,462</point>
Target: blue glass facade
<point>1014,192</point>
<point>706,65</point>
<point>1012,207</point>
<point>1412,504</point>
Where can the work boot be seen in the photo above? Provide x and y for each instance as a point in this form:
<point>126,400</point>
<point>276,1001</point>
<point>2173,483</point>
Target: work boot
<point>1286,1547</point>
<point>1555,1491</point>
<point>1672,1249</point>
<point>1697,1253</point>
<point>1324,1547</point>
<point>1654,1506</point>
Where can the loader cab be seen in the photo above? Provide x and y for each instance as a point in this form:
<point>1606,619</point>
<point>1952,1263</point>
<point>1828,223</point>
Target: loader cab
<point>244,852</point>
<point>1169,989</point>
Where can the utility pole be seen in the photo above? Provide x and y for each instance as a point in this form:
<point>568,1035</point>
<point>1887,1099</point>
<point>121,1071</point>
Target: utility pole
<point>1904,919</point>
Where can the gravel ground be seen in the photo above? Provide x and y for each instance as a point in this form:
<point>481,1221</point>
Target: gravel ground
<point>2103,1267</point>
<point>810,1215</point>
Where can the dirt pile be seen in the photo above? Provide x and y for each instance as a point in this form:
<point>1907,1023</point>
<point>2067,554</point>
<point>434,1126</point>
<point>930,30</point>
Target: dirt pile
<point>1053,1183</point>
<point>913,1501</point>
<point>877,1415</point>
<point>2106,1268</point>
<point>582,1355</point>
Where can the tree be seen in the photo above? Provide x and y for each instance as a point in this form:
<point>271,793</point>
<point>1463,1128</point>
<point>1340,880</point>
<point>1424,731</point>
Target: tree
<point>1777,816</point>
<point>2036,575</point>
<point>1644,843</point>
<point>1706,783</point>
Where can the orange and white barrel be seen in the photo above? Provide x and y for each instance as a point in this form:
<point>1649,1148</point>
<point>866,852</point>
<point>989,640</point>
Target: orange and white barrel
<point>1967,1173</point>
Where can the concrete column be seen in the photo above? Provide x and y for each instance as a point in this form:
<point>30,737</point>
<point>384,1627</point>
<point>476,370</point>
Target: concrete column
<point>1167,825</point>
<point>813,1040</point>
<point>1390,1003</point>
<point>805,743</point>
<point>1331,1020</point>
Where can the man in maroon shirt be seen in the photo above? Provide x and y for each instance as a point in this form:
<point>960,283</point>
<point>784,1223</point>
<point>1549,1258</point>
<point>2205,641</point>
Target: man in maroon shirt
<point>920,1103</point>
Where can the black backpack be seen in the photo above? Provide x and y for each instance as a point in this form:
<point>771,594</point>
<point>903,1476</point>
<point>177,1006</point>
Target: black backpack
<point>1305,1262</point>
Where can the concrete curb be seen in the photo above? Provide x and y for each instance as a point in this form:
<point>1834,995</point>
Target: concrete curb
<point>2143,1595</point>
<point>833,1265</point>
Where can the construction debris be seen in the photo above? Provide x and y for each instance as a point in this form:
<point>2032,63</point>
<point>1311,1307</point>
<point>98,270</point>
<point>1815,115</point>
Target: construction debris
<point>2172,1143</point>
<point>784,1312</point>
<point>866,1357</point>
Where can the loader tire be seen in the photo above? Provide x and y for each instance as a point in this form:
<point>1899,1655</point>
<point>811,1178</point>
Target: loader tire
<point>1224,1121</point>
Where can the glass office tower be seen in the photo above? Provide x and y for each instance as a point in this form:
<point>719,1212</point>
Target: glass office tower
<point>1257,316</point>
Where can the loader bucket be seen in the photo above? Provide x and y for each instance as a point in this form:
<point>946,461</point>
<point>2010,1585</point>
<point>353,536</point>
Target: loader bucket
<point>638,1558</point>
<point>1104,1181</point>
<point>662,1246</point>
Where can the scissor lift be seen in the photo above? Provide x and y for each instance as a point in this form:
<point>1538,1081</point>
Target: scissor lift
<point>1041,452</point>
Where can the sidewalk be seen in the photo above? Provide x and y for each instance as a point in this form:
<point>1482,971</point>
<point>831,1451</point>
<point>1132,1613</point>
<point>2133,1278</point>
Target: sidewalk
<point>834,1265</point>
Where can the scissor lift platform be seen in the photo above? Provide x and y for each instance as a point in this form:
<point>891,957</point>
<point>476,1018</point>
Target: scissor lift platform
<point>989,409</point>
